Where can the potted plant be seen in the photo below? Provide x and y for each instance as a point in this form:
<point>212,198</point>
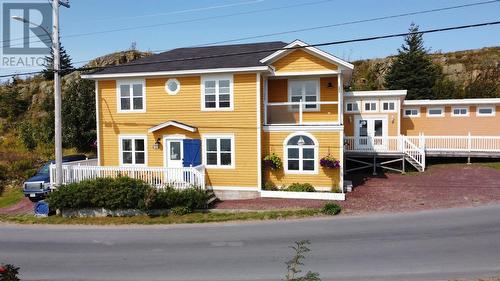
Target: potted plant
<point>329,162</point>
<point>273,161</point>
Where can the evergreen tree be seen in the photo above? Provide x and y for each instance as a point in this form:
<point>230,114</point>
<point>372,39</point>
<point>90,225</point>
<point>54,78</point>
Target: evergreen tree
<point>412,69</point>
<point>65,64</point>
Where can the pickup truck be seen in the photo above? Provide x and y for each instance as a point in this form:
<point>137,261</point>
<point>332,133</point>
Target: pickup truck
<point>38,186</point>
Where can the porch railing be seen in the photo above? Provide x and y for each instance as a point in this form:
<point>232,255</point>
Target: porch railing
<point>156,176</point>
<point>302,113</point>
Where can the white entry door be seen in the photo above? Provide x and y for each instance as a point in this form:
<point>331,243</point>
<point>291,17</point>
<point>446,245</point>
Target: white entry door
<point>174,153</point>
<point>371,132</point>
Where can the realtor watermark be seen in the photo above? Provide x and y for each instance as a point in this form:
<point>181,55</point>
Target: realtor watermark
<point>26,33</point>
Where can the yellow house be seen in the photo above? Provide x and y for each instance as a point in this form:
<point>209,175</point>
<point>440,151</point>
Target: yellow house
<point>209,116</point>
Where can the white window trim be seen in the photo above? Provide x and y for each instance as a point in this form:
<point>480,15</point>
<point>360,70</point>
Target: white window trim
<point>353,111</point>
<point>172,93</point>
<point>229,77</point>
<point>389,110</point>
<point>133,137</point>
<point>318,93</point>
<point>204,151</point>
<point>118,95</point>
<point>370,101</point>
<point>493,111</point>
<point>434,115</point>
<point>316,154</point>
<point>411,108</point>
<point>460,115</point>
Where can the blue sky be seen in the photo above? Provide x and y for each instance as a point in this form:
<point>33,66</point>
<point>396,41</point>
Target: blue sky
<point>90,16</point>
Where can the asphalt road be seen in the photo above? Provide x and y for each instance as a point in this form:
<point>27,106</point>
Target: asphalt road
<point>434,245</point>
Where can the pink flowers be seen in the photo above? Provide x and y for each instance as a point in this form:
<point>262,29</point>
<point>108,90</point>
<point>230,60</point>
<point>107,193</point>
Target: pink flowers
<point>329,162</point>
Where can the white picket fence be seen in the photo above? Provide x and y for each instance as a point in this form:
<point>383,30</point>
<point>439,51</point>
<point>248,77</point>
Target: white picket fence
<point>156,176</point>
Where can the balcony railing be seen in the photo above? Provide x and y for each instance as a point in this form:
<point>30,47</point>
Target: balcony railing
<point>302,113</point>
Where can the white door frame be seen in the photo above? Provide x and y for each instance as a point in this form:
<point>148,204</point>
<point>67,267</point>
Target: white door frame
<point>370,129</point>
<point>166,139</point>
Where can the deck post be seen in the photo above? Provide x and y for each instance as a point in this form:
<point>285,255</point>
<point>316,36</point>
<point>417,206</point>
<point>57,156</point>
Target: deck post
<point>374,165</point>
<point>403,161</point>
<point>300,112</point>
<point>469,147</point>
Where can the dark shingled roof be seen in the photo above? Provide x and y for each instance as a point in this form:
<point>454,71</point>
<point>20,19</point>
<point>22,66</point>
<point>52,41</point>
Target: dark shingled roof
<point>157,62</point>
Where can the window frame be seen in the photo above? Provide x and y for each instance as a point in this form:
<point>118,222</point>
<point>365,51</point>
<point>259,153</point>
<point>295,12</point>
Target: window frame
<point>411,108</point>
<point>318,93</point>
<point>301,159</point>
<point>435,115</point>
<point>492,114</point>
<point>370,102</point>
<point>130,83</point>
<point>352,103</point>
<point>453,114</point>
<point>217,78</point>
<point>169,92</point>
<point>133,138</point>
<point>388,102</point>
<point>218,137</point>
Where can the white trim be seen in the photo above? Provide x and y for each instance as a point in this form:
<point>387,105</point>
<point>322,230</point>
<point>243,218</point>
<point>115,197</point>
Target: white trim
<point>305,73</point>
<point>386,93</point>
<point>97,115</point>
<point>174,124</point>
<point>230,136</point>
<point>341,156</point>
<point>130,83</point>
<point>453,101</point>
<point>217,78</point>
<point>467,113</point>
<point>340,98</point>
<point>376,102</point>
<point>133,137</point>
<point>311,128</point>
<point>411,108</point>
<point>234,188</point>
<point>259,131</point>
<point>303,195</point>
<point>316,154</point>
<point>493,111</point>
<point>358,103</point>
<point>172,137</point>
<point>303,93</point>
<point>435,115</point>
<point>172,93</point>
<point>313,50</point>
<point>388,102</point>
<point>178,72</point>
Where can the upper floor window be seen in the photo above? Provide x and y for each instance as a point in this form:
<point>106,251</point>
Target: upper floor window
<point>435,112</point>
<point>300,154</point>
<point>411,112</point>
<point>485,111</point>
<point>388,106</point>
<point>370,106</point>
<point>131,96</point>
<point>460,111</point>
<point>132,150</point>
<point>217,92</point>
<point>352,107</point>
<point>306,91</point>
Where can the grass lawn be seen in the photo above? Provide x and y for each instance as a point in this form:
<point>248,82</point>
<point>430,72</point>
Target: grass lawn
<point>170,219</point>
<point>10,197</point>
<point>493,165</point>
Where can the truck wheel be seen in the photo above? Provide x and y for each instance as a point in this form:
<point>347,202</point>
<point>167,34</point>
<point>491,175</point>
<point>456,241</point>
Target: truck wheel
<point>35,199</point>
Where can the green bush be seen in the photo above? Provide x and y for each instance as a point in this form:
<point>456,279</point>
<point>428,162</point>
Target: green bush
<point>180,211</point>
<point>166,198</point>
<point>22,169</point>
<point>300,187</point>
<point>26,132</point>
<point>270,186</point>
<point>9,272</point>
<point>331,209</point>
<point>108,193</point>
<point>3,178</point>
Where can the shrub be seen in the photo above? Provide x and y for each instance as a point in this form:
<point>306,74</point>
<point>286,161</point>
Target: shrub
<point>331,209</point>
<point>3,178</point>
<point>26,132</point>
<point>22,169</point>
<point>270,186</point>
<point>191,198</point>
<point>273,161</point>
<point>9,272</point>
<point>300,187</point>
<point>108,193</point>
<point>180,211</point>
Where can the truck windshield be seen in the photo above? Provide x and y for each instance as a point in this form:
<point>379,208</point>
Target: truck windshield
<point>44,169</point>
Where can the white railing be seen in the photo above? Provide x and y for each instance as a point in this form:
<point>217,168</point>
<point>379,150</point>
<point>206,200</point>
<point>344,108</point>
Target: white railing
<point>297,113</point>
<point>156,176</point>
<point>414,152</point>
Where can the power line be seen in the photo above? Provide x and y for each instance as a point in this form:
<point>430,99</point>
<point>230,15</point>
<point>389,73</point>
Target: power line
<point>292,48</point>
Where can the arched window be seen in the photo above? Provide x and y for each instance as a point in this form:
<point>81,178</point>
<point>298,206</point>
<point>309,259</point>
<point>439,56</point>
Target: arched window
<point>300,154</point>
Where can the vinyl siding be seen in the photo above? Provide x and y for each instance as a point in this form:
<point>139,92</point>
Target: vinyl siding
<point>451,125</point>
<point>272,142</point>
<point>301,61</point>
<point>185,107</point>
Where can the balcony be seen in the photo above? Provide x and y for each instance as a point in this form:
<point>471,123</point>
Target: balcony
<point>302,113</point>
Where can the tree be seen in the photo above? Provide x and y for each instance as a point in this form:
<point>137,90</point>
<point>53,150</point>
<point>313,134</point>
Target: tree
<point>78,113</point>
<point>412,69</point>
<point>65,64</point>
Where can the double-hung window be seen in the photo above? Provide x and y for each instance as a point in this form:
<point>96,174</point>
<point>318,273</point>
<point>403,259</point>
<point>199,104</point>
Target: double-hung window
<point>217,92</point>
<point>352,107</point>
<point>133,150</point>
<point>306,91</point>
<point>460,111</point>
<point>131,96</point>
<point>411,112</point>
<point>370,106</point>
<point>300,153</point>
<point>219,151</point>
<point>388,106</point>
